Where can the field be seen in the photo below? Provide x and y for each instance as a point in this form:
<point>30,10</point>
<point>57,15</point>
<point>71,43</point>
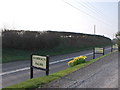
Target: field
<point>10,55</point>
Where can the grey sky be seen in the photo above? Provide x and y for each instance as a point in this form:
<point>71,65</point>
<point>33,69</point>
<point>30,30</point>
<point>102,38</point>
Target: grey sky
<point>119,16</point>
<point>61,15</point>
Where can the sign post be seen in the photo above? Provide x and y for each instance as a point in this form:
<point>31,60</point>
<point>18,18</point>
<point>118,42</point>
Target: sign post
<point>114,47</point>
<point>111,48</point>
<point>98,51</point>
<point>39,62</point>
<point>31,68</point>
<point>47,66</point>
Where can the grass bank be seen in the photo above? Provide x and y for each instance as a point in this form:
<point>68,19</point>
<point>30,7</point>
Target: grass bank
<point>40,81</point>
<point>11,55</point>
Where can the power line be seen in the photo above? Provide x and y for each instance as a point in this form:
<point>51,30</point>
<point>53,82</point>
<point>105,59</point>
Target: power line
<point>100,10</point>
<point>77,8</point>
<point>85,12</point>
<point>95,11</point>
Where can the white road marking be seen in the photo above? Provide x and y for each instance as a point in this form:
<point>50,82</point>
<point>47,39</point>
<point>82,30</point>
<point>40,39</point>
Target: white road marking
<point>68,59</point>
<point>27,68</point>
<point>13,71</point>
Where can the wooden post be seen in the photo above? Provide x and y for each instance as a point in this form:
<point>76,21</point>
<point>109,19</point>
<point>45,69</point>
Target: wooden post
<point>119,48</point>
<point>93,53</point>
<point>111,48</point>
<point>47,65</point>
<point>31,68</point>
<point>103,51</point>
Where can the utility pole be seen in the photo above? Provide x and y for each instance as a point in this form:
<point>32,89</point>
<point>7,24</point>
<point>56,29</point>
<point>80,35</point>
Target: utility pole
<point>94,29</point>
<point>113,36</point>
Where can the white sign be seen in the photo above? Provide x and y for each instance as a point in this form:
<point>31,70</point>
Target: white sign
<point>39,61</point>
<point>99,50</point>
<point>115,46</point>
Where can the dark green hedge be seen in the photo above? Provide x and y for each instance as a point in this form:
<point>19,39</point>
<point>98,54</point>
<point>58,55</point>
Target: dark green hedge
<point>32,40</point>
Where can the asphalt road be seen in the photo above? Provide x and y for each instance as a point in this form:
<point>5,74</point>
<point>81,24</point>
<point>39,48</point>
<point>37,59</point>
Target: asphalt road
<point>15,72</point>
<point>101,74</point>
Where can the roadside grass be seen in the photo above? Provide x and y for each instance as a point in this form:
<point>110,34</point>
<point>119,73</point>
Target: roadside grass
<point>11,55</point>
<point>41,81</point>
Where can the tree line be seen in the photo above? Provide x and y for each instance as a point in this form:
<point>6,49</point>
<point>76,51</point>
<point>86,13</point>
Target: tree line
<point>43,40</point>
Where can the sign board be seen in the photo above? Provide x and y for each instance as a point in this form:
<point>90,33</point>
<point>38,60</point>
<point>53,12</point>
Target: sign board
<point>39,61</point>
<point>99,50</point>
<point>115,46</point>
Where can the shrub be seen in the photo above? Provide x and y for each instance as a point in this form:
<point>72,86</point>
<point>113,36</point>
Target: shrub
<point>118,39</point>
<point>77,60</point>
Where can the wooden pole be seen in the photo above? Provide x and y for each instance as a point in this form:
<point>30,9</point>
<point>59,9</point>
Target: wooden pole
<point>47,65</point>
<point>31,68</point>
<point>93,53</point>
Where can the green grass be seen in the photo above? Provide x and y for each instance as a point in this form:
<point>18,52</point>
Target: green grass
<point>11,55</point>
<point>40,81</point>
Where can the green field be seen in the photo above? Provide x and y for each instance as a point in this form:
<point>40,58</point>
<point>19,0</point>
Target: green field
<point>10,55</point>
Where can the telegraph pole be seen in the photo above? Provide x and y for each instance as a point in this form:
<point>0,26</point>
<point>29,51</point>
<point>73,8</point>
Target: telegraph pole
<point>94,29</point>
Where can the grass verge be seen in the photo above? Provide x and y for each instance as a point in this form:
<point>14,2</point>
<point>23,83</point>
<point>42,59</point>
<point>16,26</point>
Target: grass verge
<point>40,81</point>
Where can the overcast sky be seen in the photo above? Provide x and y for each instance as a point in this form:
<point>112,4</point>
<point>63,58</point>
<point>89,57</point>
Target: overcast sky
<point>61,15</point>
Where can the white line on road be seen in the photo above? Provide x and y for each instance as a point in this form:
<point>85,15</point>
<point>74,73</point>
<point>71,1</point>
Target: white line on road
<point>27,68</point>
<point>69,58</point>
<point>13,71</point>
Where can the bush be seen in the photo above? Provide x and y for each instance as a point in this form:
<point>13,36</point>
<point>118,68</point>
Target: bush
<point>77,60</point>
<point>118,39</point>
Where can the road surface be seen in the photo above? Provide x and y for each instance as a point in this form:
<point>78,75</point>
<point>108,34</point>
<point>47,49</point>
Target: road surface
<point>15,72</point>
